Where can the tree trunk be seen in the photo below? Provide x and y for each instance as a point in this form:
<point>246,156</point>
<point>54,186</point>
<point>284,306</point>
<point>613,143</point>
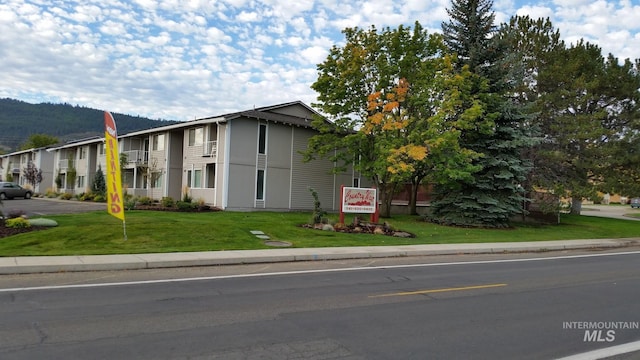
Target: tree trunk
<point>413,198</point>
<point>385,203</point>
<point>576,206</point>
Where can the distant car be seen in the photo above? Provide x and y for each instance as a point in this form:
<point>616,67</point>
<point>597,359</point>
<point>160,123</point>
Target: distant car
<point>635,202</point>
<point>9,190</point>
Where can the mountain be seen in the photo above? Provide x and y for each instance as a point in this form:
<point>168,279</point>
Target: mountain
<point>19,120</point>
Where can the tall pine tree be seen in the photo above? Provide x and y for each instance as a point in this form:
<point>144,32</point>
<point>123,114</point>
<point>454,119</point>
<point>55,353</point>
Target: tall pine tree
<point>494,195</point>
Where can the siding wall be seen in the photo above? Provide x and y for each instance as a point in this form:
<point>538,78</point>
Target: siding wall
<point>242,163</point>
<point>315,174</point>
<point>278,166</point>
<point>220,166</point>
<point>174,185</point>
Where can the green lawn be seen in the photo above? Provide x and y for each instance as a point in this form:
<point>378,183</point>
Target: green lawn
<point>151,231</point>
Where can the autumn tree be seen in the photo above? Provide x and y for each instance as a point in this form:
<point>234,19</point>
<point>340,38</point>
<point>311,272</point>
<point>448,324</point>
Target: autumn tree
<point>377,93</point>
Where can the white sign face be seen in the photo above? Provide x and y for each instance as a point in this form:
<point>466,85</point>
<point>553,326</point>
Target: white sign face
<point>359,200</point>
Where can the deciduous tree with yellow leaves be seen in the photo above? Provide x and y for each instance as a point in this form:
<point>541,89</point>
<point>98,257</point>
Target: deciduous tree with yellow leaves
<point>390,97</point>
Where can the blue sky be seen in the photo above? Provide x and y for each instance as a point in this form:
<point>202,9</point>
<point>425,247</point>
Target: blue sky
<point>187,59</point>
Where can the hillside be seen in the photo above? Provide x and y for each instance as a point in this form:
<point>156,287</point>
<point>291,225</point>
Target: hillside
<point>19,120</point>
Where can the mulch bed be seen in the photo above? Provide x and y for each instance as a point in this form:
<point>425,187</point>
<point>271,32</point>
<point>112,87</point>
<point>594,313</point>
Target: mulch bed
<point>364,228</point>
<point>6,231</point>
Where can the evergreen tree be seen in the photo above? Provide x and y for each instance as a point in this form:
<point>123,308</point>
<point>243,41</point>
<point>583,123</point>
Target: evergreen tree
<point>467,31</point>
<point>494,195</point>
<point>99,185</point>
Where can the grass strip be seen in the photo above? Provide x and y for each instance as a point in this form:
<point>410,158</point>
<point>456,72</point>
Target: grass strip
<point>161,232</point>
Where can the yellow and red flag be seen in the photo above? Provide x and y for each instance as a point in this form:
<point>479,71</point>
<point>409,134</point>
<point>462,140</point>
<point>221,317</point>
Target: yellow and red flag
<point>115,204</point>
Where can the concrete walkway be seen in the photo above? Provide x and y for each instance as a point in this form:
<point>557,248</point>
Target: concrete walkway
<point>49,264</point>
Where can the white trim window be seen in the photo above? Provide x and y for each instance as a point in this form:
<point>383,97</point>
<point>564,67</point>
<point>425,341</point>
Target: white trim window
<point>194,178</point>
<point>262,139</point>
<point>260,185</point>
<point>158,142</point>
<point>196,136</point>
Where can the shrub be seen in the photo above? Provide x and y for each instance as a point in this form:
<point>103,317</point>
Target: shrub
<point>17,223</point>
<point>99,198</point>
<point>86,197</point>
<point>318,213</point>
<point>186,197</point>
<point>130,202</point>
<point>145,200</point>
<point>185,206</point>
<point>168,201</point>
<point>66,196</point>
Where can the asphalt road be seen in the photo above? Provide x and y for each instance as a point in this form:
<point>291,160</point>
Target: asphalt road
<point>483,309</point>
<point>44,206</point>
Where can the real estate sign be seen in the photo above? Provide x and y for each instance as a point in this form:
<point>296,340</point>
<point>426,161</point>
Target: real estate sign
<point>359,200</point>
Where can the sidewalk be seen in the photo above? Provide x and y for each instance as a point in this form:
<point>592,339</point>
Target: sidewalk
<point>51,264</point>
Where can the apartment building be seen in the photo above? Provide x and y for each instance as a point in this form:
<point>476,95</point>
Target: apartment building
<point>12,167</point>
<point>243,161</point>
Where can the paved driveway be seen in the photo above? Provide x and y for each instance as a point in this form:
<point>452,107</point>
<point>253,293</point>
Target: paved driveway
<point>610,211</point>
<point>44,206</point>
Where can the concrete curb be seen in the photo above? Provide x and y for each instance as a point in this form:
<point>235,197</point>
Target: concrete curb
<point>53,264</point>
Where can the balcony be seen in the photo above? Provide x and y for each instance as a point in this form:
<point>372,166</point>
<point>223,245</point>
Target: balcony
<point>210,148</point>
<point>137,157</point>
<point>64,164</point>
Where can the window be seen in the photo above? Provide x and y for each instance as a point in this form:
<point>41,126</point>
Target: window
<point>262,139</point>
<point>197,179</point>
<point>356,182</point>
<point>156,180</point>
<point>194,178</point>
<point>211,176</point>
<point>196,137</point>
<point>82,153</point>
<point>80,181</point>
<point>101,150</point>
<point>260,185</point>
<point>158,142</point>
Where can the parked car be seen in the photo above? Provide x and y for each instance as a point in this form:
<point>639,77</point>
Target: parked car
<point>9,190</point>
<point>635,202</point>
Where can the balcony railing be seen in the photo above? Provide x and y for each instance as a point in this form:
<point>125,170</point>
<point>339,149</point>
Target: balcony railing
<point>137,156</point>
<point>210,148</point>
<point>65,163</point>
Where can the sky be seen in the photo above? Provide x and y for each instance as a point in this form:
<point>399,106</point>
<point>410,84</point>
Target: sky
<point>190,59</point>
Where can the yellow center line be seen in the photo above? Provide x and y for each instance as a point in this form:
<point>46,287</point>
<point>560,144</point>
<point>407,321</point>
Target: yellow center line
<point>431,291</point>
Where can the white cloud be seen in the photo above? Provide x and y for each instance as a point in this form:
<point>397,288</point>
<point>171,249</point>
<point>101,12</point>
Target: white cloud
<point>245,16</point>
<point>180,59</point>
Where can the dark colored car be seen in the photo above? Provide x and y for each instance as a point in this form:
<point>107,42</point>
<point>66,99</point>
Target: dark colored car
<point>635,202</point>
<point>9,190</point>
